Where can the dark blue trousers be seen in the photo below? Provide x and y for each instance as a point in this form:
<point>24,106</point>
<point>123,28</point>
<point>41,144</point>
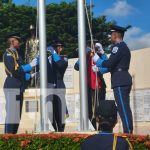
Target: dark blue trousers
<point>13,111</point>
<point>122,98</point>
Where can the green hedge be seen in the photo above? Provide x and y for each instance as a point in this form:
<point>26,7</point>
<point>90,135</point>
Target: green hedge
<point>55,141</point>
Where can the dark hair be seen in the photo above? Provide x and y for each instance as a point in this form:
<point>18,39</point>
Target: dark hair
<point>107,124</point>
<point>56,43</point>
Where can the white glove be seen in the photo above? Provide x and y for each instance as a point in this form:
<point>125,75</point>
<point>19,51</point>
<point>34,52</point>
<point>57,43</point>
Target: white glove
<point>95,57</point>
<point>34,62</point>
<point>99,47</point>
<point>95,68</point>
<point>51,50</point>
<point>65,59</point>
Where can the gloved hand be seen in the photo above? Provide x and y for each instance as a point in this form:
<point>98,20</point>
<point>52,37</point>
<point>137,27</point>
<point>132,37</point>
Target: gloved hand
<point>51,50</point>
<point>95,68</point>
<point>99,47</point>
<point>95,57</point>
<point>34,62</point>
<point>65,59</point>
<point>34,74</point>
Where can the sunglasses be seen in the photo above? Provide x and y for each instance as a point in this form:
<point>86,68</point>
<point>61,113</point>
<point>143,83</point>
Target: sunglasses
<point>59,46</point>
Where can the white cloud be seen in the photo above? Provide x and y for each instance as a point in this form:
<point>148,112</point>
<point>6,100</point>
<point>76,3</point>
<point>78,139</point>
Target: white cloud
<point>136,39</point>
<point>119,9</point>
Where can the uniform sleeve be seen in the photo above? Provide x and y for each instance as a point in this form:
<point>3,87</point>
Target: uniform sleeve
<point>56,57</point>
<point>76,66</point>
<point>60,63</point>
<point>104,57</point>
<point>26,68</point>
<point>113,59</point>
<point>27,76</point>
<point>10,65</point>
<point>103,70</point>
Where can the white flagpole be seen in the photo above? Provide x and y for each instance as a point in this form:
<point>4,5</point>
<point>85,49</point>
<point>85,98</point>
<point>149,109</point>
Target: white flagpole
<point>83,68</point>
<point>43,63</point>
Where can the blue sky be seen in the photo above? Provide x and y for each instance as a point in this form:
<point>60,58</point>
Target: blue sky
<point>125,12</point>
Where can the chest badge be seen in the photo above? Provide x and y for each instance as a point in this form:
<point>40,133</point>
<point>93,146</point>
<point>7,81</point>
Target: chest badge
<point>115,50</point>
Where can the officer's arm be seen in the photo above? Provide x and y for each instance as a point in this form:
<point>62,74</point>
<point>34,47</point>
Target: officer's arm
<point>60,63</point>
<point>76,66</point>
<point>111,62</point>
<point>103,70</point>
<point>28,67</point>
<point>10,65</point>
<point>104,57</point>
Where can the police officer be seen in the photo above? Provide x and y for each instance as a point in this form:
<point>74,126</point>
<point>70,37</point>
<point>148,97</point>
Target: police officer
<point>93,101</point>
<point>17,76</point>
<point>105,139</point>
<point>99,49</point>
<point>59,66</point>
<point>121,81</point>
<point>51,87</point>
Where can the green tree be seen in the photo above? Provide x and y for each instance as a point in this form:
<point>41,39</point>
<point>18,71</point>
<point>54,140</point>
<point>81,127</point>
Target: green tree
<point>15,19</point>
<point>61,20</point>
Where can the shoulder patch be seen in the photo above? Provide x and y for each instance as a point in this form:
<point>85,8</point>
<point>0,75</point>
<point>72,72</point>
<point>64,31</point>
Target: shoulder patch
<point>115,50</point>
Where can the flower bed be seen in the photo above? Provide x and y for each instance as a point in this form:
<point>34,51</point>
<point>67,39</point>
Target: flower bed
<point>56,141</point>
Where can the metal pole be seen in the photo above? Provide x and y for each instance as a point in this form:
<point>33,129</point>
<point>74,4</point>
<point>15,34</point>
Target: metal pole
<point>43,63</point>
<point>83,67</point>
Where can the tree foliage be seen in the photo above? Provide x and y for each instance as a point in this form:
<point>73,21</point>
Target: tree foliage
<point>61,23</point>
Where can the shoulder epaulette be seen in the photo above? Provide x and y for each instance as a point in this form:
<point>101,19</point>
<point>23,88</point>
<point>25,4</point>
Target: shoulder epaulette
<point>15,57</point>
<point>126,138</point>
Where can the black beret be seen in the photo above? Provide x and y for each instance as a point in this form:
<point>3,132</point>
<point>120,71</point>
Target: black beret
<point>56,43</point>
<point>13,35</point>
<point>115,28</point>
<point>107,109</point>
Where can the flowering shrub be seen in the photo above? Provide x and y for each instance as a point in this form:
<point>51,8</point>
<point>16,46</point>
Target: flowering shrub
<point>58,141</point>
<point>140,142</point>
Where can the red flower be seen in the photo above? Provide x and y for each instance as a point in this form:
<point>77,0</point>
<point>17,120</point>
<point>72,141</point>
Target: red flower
<point>132,141</point>
<point>141,138</point>
<point>7,136</point>
<point>25,143</point>
<point>76,139</point>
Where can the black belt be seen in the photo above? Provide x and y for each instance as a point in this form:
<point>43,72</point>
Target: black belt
<point>120,69</point>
